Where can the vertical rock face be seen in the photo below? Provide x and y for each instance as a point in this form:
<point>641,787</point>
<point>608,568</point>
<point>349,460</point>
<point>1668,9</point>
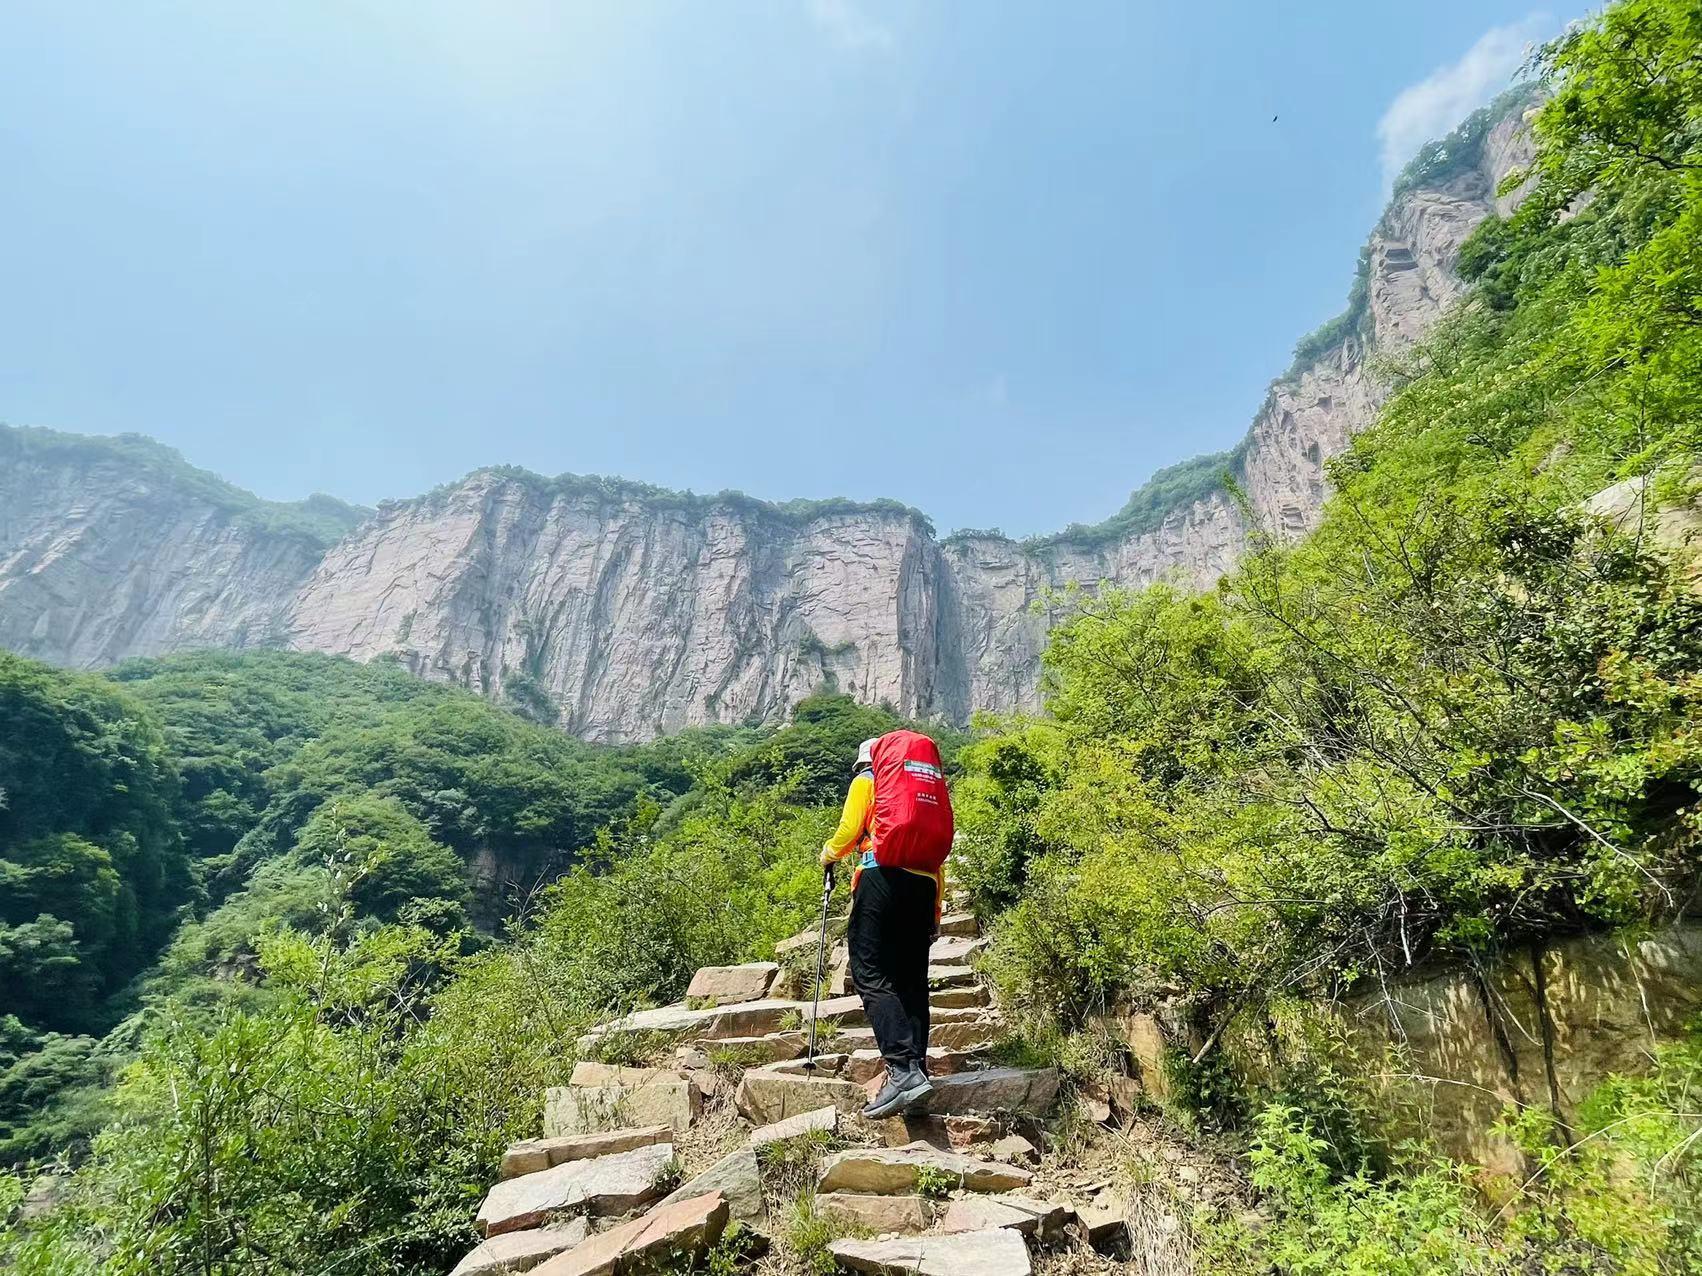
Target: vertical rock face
<point>621,613</point>
<point>104,555</point>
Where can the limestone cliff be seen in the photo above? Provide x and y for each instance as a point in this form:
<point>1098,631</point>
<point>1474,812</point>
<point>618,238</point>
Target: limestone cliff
<point>621,611</point>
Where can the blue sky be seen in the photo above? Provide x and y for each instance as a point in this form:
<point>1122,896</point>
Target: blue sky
<point>997,260</point>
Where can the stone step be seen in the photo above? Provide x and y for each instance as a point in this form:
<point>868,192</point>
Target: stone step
<point>738,1178</point>
<point>766,1095</point>
<point>679,1232</point>
<point>999,1252</point>
<point>955,950</point>
<point>744,1052</point>
<point>668,1099</point>
<point>1042,1221</point>
<point>705,1023</point>
<point>721,985</point>
<point>974,995</point>
<point>522,1251</point>
<point>589,1073</point>
<point>951,976</point>
<point>825,1120</point>
<point>532,1155</point>
<point>1029,1091</point>
<point>601,1185</point>
<point>864,1066</point>
<point>878,1215</point>
<point>895,1171</point>
<point>959,924</point>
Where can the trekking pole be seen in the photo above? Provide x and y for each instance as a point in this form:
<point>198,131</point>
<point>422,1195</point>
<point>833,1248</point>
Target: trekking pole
<point>821,964</point>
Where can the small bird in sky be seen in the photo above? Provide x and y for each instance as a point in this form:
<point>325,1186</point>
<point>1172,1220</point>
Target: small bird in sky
<point>1274,119</point>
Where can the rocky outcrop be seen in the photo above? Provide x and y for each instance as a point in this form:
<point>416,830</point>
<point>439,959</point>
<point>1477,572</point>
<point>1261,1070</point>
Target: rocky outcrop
<point>618,612</point>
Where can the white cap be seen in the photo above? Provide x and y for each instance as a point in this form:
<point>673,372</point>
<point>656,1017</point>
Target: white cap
<point>866,752</point>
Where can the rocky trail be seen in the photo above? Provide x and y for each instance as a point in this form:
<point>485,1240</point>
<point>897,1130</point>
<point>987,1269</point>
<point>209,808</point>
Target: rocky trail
<point>697,1127</point>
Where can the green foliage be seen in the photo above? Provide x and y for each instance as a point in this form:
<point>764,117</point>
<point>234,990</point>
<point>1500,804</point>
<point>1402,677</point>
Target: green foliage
<point>935,1184</point>
<point>320,520</point>
<point>1458,715</point>
<point>1172,488</point>
<point>91,865</point>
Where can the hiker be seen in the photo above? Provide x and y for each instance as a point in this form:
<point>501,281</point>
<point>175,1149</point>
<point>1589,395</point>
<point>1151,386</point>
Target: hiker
<point>898,822</point>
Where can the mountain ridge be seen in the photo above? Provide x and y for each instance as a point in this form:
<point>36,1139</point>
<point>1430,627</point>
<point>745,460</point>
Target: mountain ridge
<point>630,610</point>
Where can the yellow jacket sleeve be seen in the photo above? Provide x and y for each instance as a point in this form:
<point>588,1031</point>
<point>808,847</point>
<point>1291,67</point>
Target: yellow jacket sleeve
<point>854,819</point>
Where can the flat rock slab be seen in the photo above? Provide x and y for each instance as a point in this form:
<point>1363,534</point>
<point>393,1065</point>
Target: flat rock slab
<point>954,950</point>
<point>959,925</point>
<point>575,1109</point>
<point>1043,1221</point>
<point>948,1133</point>
<point>738,1178</point>
<point>1013,1147</point>
<point>894,1171</point>
<point>950,976</point>
<point>706,1023</point>
<point>974,1033</point>
<point>744,1051</point>
<point>1027,1090</point>
<point>588,1073</point>
<point>827,1065</point>
<point>825,1119</point>
<point>522,1251</point>
<point>876,1213</point>
<point>602,1185</point>
<point>532,1155</point>
<point>720,985</point>
<point>765,1096</point>
<point>958,998</point>
<point>1000,1252</point>
<point>668,1236</point>
<point>863,1066</point>
<point>845,1011</point>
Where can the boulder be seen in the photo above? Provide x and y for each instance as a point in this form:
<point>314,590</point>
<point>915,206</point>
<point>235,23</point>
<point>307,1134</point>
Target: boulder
<point>737,1177</point>
<point>602,1185</point>
<point>877,1214</point>
<point>1026,1090</point>
<point>668,1236</point>
<point>826,1119</point>
<point>1044,1222</point>
<point>720,985</point>
<point>1000,1252</point>
<point>522,1251</point>
<point>765,1097</point>
<point>891,1171</point>
<point>532,1155</point>
<point>949,1133</point>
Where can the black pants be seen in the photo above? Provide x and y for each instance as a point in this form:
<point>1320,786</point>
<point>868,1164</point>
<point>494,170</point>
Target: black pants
<point>892,925</point>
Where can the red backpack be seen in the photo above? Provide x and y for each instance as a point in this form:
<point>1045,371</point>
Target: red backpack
<point>911,825</point>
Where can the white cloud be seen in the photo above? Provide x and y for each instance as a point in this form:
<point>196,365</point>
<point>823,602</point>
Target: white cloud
<point>1432,107</point>
<point>848,25</point>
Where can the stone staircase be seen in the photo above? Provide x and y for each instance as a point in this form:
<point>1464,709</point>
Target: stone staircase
<point>705,1090</point>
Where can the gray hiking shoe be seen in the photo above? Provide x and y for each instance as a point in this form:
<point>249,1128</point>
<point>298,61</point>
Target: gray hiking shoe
<point>900,1091</point>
